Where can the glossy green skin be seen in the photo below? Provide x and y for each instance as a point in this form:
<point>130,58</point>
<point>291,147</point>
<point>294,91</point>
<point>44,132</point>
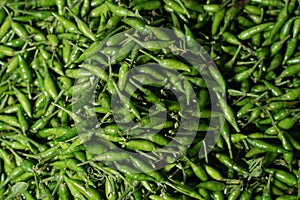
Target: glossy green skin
<point>212,185</point>
<point>265,146</point>
<point>47,45</point>
<point>283,176</point>
<point>231,164</point>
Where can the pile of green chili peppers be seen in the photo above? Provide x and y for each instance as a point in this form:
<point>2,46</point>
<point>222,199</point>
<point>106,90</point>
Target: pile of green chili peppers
<point>51,150</point>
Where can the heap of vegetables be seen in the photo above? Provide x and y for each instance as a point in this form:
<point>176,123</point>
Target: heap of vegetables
<point>120,99</point>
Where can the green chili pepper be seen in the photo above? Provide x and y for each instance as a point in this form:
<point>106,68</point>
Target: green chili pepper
<point>63,192</point>
<point>246,195</point>
<point>230,14</point>
<point>283,176</point>
<point>11,120</point>
<point>170,63</point>
<point>229,115</point>
<point>110,189</point>
<point>212,185</point>
<point>285,30</point>
<point>281,19</point>
<point>276,46</point>
<point>218,195</point>
<point>184,189</point>
<point>22,120</point>
<point>234,194</point>
<point>274,90</point>
<point>291,46</point>
<point>291,95</point>
<point>5,26</point>
<point>245,74</point>
<point>148,5</point>
<point>231,164</point>
<point>288,157</point>
<point>143,145</point>
<point>83,27</point>
<point>117,10</point>
<point>266,146</point>
<point>296,27</point>
<point>146,168</point>
<point>247,34</point>
<point>67,24</point>
<point>277,105</point>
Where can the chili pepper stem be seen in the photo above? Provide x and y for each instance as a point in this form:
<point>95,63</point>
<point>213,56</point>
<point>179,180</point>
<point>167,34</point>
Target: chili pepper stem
<point>230,63</point>
<point>74,116</point>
